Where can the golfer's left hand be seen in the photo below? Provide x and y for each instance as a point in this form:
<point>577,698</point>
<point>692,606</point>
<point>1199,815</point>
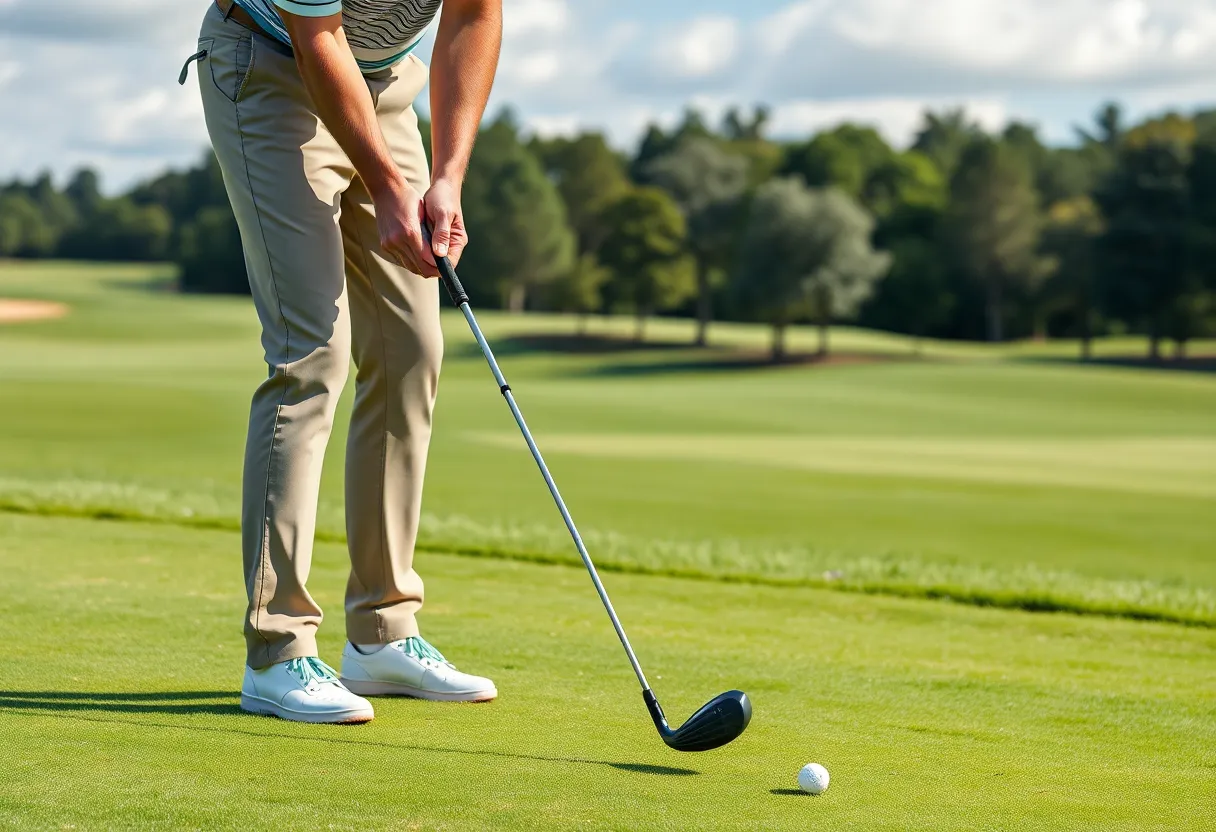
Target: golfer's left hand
<point>442,206</point>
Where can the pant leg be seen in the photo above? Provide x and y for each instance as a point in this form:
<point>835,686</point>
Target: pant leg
<point>284,174</point>
<point>398,348</point>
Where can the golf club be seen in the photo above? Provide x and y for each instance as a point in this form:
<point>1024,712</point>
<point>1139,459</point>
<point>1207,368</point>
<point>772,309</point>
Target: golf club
<point>720,720</point>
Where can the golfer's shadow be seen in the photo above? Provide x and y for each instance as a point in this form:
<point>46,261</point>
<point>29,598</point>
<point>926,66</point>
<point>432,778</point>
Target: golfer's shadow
<point>71,704</point>
<point>167,702</point>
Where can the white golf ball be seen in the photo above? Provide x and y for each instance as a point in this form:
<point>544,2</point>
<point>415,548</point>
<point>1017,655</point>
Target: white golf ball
<point>813,778</point>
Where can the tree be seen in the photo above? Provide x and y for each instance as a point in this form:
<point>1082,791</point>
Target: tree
<point>118,229</point>
<point>1070,239</point>
<point>210,257</point>
<point>515,216</point>
<point>645,251</point>
<point>1148,240</point>
<point>578,291</point>
<point>944,137</point>
<point>915,295</point>
<point>904,181</point>
<point>589,175</point>
<point>993,226</point>
<point>844,157</point>
<point>658,142</point>
<point>24,231</point>
<point>808,254</point>
<point>707,184</point>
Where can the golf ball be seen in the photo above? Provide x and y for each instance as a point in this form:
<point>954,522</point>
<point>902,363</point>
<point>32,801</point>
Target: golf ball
<point>813,778</point>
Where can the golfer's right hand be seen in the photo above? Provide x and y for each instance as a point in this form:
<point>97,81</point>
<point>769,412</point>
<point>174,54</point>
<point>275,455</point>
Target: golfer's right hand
<point>399,216</point>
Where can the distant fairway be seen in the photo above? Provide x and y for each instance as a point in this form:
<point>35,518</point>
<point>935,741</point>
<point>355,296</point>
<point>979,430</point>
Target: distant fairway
<point>990,476</point>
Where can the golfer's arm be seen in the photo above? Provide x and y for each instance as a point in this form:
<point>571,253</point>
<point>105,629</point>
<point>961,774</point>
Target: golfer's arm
<point>341,97</point>
<point>462,72</point>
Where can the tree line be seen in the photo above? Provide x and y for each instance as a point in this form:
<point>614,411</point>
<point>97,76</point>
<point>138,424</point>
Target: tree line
<point>966,234</point>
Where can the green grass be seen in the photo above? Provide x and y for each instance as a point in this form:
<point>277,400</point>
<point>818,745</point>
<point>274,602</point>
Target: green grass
<point>724,503</point>
<point>118,709</point>
<point>983,474</point>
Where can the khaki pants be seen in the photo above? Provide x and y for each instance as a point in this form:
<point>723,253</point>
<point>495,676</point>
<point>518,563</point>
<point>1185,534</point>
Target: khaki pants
<point>323,292</point>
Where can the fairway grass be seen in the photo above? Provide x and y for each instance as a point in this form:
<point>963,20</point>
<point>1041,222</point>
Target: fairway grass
<point>996,476</point>
<point>119,706</point>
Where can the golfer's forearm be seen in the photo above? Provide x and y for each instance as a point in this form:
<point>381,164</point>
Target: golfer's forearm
<point>340,94</point>
<point>462,72</point>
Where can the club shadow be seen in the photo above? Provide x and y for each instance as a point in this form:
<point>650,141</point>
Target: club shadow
<point>58,704</point>
<point>788,792</point>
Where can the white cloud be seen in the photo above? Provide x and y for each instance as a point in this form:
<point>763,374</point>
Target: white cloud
<point>82,82</point>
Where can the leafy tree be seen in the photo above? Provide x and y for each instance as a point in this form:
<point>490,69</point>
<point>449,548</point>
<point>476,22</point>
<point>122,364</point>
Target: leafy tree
<point>1070,240</point>
<point>515,218</point>
<point>657,142</point>
<point>737,127</point>
<point>915,296</point>
<point>707,184</point>
<point>993,226</point>
<point>1145,250</point>
<point>589,175</point>
<point>904,181</point>
<point>210,256</point>
<point>808,255</point>
<point>844,157</point>
<point>645,251</point>
<point>118,229</point>
<point>24,231</point>
<point>945,136</point>
<point>578,291</point>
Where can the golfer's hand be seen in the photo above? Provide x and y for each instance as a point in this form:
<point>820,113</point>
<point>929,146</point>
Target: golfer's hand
<point>448,235</point>
<point>399,217</point>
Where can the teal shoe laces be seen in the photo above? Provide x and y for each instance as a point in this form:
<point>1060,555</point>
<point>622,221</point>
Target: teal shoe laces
<point>420,649</point>
<point>312,671</point>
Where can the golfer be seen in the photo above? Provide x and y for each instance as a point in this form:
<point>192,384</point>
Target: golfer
<point>309,105</point>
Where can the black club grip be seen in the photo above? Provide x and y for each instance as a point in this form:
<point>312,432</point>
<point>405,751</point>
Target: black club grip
<point>451,282</point>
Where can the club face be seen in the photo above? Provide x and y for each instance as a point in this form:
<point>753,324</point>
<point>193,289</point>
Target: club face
<point>719,721</point>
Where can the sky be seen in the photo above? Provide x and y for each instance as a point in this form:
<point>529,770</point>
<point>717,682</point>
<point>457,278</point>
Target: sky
<point>89,83</point>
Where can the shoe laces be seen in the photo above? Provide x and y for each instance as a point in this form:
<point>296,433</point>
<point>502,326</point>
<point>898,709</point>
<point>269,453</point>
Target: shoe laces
<point>312,672</point>
<point>423,651</point>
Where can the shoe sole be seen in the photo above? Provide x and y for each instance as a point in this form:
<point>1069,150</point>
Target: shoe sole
<point>264,707</point>
<point>370,688</point>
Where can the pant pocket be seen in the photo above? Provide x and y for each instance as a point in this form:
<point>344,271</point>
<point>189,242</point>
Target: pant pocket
<point>230,62</point>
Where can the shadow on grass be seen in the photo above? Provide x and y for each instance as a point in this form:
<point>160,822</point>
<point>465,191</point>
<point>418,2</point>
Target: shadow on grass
<point>743,361</point>
<point>788,792</point>
<point>63,703</point>
<point>1197,364</point>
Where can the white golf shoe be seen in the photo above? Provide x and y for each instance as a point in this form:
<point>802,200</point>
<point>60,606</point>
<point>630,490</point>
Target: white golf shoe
<point>411,667</point>
<point>302,690</point>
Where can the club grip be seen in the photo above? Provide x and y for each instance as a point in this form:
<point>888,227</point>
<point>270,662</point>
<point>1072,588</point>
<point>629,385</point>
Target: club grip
<point>451,282</point>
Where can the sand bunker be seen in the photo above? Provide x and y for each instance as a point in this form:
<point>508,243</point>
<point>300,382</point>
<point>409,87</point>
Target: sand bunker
<point>15,311</point>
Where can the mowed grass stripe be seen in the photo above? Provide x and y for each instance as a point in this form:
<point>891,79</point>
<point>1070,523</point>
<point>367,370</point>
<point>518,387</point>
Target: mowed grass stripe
<point>1184,466</point>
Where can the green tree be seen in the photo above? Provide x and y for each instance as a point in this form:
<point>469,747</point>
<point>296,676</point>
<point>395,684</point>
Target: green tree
<point>844,157</point>
<point>945,136</point>
<point>1149,234</point>
<point>118,229</point>
<point>993,226</point>
<point>707,184</point>
<point>904,181</point>
<point>1070,240</point>
<point>24,230</point>
<point>520,239</point>
<point>808,255</point>
<point>646,253</point>
<point>915,296</point>
<point>589,175</point>
<point>579,291</point>
<point>209,257</point>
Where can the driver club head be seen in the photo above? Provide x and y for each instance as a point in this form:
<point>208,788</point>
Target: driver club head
<point>716,723</point>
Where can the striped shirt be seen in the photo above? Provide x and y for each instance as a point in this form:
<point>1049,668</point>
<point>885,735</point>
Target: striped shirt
<point>380,32</point>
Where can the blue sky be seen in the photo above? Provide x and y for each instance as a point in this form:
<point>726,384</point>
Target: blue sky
<point>91,83</point>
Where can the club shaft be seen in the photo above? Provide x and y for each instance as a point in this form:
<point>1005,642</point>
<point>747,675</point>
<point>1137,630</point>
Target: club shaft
<point>557,497</point>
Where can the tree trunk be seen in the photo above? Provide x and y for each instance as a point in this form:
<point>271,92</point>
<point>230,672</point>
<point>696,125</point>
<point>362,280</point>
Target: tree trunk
<point>1154,341</point>
<point>995,324</point>
<point>639,332</point>
<point>824,329</point>
<point>705,303</point>
<point>1087,327</point>
<point>1180,350</point>
<point>582,324</point>
<point>516,298</point>
<point>778,343</point>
